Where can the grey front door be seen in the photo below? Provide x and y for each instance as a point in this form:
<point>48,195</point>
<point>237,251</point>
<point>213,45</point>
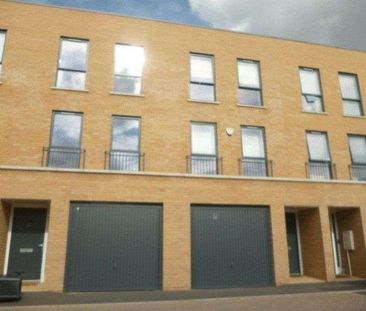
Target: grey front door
<point>292,243</point>
<point>113,247</point>
<point>231,247</point>
<point>27,242</point>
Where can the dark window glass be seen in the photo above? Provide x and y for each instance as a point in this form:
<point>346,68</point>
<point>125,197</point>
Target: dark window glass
<point>125,153</point>
<point>65,141</point>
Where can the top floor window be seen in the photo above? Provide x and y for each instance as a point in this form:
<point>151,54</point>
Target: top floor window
<point>128,69</point>
<point>202,78</point>
<point>72,64</point>
<point>2,47</point>
<point>312,98</point>
<point>351,98</point>
<point>250,89</point>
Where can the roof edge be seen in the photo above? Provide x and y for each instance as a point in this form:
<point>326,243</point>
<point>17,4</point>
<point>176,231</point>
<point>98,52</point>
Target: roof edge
<point>183,24</point>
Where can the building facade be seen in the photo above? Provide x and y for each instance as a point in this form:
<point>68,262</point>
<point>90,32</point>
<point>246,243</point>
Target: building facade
<point>140,154</point>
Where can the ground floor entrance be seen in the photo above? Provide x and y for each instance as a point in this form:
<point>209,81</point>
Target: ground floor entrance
<point>26,242</point>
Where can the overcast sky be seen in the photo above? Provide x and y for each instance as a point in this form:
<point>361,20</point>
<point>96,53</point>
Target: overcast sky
<point>339,23</point>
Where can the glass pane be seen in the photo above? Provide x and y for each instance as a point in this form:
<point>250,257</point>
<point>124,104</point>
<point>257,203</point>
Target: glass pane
<point>204,165</point>
<point>253,167</point>
<point>202,92</point>
<point>249,74</point>
<point>202,69</point>
<point>318,146</point>
<point>71,80</point>
<point>253,142</point>
<point>359,172</point>
<point>2,44</point>
<point>358,148</point>
<point>250,97</point>
<point>129,85</point>
<point>124,161</point>
<point>349,86</point>
<point>129,60</point>
<point>310,82</point>
<point>73,55</point>
<point>66,158</point>
<point>352,108</point>
<point>126,134</point>
<point>66,130</point>
<point>312,103</point>
<point>203,139</point>
<point>320,170</point>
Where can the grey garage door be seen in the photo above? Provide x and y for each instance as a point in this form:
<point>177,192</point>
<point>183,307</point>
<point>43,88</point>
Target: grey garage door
<point>114,247</point>
<point>231,247</point>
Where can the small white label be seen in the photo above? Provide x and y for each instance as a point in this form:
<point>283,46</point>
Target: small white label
<point>26,250</point>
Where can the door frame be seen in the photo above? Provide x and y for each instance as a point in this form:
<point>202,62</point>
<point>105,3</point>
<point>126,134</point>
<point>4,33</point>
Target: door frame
<point>336,247</point>
<point>45,240</point>
<point>298,236</point>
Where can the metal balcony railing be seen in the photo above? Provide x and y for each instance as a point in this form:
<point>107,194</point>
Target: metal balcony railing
<point>357,171</point>
<point>204,165</point>
<point>321,170</point>
<point>63,157</point>
<point>124,160</point>
<point>258,167</point>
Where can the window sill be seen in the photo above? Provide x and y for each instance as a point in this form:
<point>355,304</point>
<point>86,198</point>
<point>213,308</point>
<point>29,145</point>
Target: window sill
<point>314,112</point>
<point>72,90</point>
<point>126,94</point>
<point>252,106</point>
<point>354,117</point>
<point>202,101</point>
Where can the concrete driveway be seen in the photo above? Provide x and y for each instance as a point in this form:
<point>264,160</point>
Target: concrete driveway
<point>332,301</point>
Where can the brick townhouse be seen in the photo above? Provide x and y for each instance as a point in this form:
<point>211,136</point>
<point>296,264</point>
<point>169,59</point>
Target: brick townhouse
<point>139,155</point>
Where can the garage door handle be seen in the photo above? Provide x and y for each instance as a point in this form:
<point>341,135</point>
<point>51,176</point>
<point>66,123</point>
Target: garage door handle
<point>231,265</point>
<point>114,267</point>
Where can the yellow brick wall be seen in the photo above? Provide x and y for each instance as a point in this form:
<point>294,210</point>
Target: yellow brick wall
<point>29,71</point>
<point>27,102</point>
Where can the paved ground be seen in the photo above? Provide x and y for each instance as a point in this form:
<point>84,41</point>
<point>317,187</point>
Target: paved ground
<point>320,296</point>
<point>330,301</point>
